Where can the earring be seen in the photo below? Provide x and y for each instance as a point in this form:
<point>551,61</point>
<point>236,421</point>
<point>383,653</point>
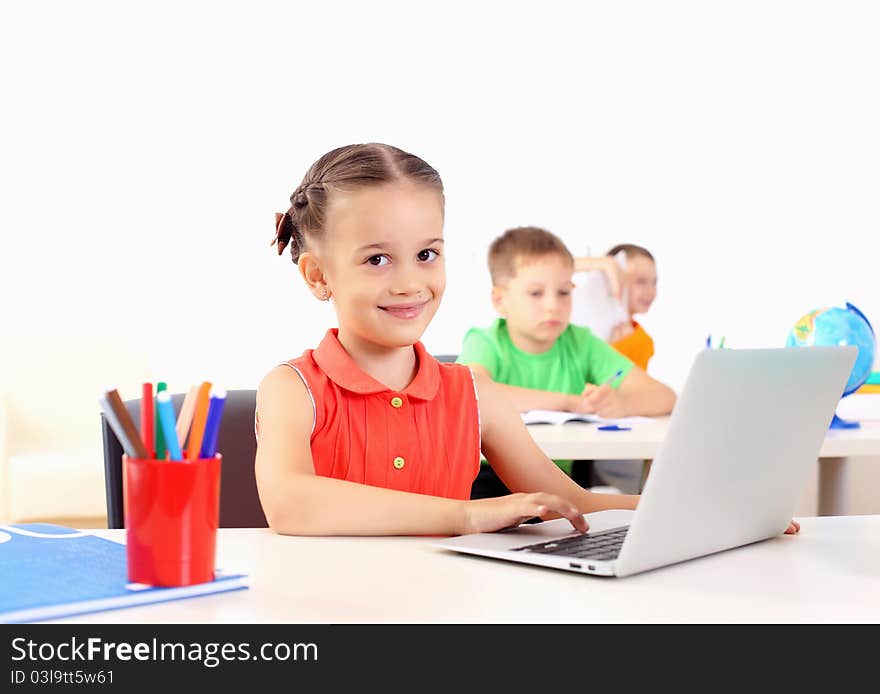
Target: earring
<point>325,294</point>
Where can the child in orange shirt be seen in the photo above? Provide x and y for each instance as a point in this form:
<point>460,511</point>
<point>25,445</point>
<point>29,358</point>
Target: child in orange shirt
<point>369,434</point>
<point>638,283</point>
<point>640,288</point>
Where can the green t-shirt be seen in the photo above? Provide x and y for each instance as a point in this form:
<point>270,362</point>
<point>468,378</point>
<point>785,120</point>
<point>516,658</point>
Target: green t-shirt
<point>576,358</point>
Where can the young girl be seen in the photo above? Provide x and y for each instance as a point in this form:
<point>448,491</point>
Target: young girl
<point>640,279</point>
<point>368,434</point>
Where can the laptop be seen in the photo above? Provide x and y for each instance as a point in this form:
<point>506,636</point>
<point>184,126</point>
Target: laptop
<point>742,441</point>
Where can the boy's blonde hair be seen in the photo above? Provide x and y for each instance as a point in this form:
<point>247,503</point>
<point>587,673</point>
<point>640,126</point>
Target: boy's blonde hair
<point>522,243</point>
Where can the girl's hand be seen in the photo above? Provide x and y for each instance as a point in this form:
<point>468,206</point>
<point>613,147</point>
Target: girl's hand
<point>608,266</point>
<point>489,515</point>
<point>614,273</point>
<point>602,400</point>
<point>793,528</point>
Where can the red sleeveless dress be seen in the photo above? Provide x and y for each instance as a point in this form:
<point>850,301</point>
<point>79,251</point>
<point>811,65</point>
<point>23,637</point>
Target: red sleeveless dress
<point>424,438</point>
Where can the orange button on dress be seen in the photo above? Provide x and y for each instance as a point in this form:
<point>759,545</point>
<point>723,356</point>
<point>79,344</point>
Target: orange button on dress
<point>424,438</point>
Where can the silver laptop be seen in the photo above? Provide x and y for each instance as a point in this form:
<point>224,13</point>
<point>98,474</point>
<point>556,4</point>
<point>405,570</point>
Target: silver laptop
<point>743,439</point>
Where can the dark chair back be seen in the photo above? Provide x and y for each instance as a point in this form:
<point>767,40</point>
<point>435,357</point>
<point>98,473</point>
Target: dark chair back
<point>239,502</point>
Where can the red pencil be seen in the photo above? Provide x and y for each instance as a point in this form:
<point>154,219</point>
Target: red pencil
<point>147,418</point>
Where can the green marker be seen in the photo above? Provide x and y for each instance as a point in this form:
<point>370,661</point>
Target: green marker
<point>160,437</point>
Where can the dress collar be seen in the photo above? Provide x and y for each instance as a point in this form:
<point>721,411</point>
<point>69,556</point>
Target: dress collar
<point>344,372</point>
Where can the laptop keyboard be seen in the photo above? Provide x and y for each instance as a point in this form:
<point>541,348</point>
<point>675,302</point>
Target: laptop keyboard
<point>600,546</point>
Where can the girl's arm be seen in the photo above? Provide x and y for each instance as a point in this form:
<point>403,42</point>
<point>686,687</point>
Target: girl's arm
<point>606,264</point>
<point>296,501</point>
<point>521,465</point>
<point>299,502</point>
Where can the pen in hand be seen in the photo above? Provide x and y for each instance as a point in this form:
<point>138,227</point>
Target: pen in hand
<point>613,378</point>
<point>590,388</point>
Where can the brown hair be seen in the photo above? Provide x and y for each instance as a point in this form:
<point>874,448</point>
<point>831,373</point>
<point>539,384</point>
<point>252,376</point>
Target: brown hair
<point>344,169</point>
<point>520,243</point>
<point>631,250</point>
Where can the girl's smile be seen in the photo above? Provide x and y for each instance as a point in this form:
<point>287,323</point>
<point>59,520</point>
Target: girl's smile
<point>382,260</point>
<point>405,311</point>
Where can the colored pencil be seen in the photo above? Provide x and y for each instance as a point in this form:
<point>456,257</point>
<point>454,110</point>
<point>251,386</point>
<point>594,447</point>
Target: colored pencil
<point>165,421</point>
<point>184,418</point>
<point>116,426</point>
<point>160,435</point>
<point>212,424</point>
<point>200,416</point>
<point>147,417</point>
<point>126,423</point>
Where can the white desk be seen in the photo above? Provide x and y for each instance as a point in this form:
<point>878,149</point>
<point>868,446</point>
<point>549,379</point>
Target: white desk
<point>579,441</point>
<point>828,573</point>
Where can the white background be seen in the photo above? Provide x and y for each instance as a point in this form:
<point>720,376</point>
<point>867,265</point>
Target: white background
<point>145,148</point>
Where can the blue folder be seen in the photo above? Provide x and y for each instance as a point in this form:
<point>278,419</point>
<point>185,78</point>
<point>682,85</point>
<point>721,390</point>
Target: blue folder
<point>49,571</point>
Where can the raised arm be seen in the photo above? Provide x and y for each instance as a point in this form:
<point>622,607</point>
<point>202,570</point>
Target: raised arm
<point>605,264</point>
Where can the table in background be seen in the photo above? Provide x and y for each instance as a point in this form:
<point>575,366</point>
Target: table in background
<point>828,573</point>
<point>580,441</point>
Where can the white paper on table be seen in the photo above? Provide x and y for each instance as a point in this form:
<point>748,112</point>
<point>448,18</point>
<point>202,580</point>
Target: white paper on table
<point>563,417</point>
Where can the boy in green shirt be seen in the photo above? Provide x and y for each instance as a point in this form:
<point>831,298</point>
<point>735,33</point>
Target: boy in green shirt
<point>543,361</point>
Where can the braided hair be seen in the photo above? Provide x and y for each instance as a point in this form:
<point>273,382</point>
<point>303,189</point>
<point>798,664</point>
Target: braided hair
<point>344,170</point>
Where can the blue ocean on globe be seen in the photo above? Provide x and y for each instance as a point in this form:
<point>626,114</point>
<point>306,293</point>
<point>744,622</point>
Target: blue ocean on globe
<point>838,326</point>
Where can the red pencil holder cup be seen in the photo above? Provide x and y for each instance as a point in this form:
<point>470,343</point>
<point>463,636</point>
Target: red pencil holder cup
<point>172,509</point>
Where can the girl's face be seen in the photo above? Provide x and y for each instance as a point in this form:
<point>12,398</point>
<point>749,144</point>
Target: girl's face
<point>382,257</point>
<point>641,283</point>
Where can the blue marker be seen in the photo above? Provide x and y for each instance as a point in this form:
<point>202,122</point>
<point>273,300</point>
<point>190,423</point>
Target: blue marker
<point>709,342</point>
<point>165,413</point>
<point>212,424</point>
<point>613,427</point>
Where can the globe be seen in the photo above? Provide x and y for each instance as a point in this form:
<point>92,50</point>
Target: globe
<point>839,326</point>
